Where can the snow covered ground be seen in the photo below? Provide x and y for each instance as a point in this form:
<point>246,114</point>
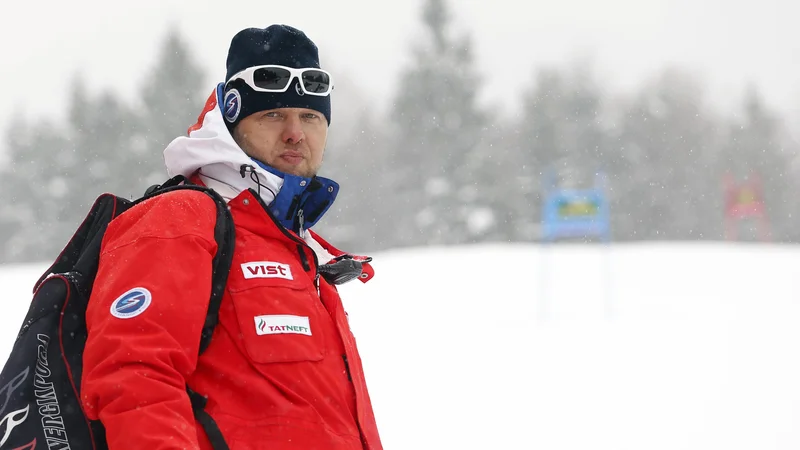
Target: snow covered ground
<point>579,347</point>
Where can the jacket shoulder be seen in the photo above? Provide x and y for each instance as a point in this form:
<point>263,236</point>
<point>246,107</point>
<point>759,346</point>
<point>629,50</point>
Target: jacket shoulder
<point>169,215</point>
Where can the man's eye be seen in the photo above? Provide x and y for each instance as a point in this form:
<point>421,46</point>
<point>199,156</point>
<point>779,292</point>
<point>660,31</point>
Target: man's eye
<point>272,114</point>
<point>310,116</point>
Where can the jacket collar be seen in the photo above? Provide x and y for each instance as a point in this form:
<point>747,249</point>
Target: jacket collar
<point>210,152</point>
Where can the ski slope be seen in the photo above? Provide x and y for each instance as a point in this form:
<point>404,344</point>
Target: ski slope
<point>573,347</point>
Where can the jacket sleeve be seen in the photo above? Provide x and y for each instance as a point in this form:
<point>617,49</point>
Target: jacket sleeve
<point>142,347</point>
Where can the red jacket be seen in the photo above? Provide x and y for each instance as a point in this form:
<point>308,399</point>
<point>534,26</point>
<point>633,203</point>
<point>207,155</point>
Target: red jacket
<point>282,371</point>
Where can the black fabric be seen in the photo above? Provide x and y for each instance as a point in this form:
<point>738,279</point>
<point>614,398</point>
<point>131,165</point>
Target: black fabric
<point>277,44</point>
<point>341,271</point>
<point>40,383</point>
<point>174,181</point>
<point>210,426</point>
<point>223,232</point>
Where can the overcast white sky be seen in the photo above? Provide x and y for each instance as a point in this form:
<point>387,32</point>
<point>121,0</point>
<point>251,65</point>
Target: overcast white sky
<point>730,43</point>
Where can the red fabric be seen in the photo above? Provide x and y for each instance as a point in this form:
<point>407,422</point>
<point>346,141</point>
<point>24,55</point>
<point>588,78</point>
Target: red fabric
<point>211,103</point>
<point>272,391</point>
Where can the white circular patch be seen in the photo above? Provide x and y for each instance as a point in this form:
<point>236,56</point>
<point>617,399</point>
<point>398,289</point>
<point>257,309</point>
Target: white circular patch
<point>131,303</point>
<point>232,105</point>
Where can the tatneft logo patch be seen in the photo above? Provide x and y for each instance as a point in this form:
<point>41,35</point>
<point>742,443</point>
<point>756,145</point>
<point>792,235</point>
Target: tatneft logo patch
<point>267,269</point>
<point>282,325</point>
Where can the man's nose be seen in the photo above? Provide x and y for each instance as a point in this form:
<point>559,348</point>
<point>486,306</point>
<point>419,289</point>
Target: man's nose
<point>293,130</point>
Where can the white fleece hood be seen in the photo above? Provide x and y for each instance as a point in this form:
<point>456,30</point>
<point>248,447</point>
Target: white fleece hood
<point>210,149</point>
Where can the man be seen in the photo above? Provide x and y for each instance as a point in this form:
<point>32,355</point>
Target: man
<point>282,370</point>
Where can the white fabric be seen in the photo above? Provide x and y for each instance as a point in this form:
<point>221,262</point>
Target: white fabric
<point>212,150</point>
<point>322,255</point>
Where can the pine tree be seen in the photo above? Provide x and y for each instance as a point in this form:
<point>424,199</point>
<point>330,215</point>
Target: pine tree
<point>358,162</point>
<point>33,217</point>
<point>173,96</point>
<point>437,153</point>
<point>757,148</point>
<point>666,181</point>
<point>102,132</point>
<point>56,171</point>
<point>560,137</point>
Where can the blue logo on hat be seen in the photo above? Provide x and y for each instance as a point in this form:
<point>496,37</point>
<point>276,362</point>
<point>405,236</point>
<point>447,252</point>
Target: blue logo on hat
<point>131,303</point>
<point>232,105</point>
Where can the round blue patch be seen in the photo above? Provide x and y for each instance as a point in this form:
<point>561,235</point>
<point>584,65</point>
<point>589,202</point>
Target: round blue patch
<point>232,105</point>
<point>131,303</point>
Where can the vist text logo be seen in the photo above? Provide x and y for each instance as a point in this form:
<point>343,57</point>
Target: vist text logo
<point>282,324</point>
<point>266,269</point>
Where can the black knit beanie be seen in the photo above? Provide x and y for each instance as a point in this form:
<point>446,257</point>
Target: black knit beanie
<point>276,44</point>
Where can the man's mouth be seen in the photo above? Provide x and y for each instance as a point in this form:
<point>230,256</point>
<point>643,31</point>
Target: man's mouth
<point>292,158</point>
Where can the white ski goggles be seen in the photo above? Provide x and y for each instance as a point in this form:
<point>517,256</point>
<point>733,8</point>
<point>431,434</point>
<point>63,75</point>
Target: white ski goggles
<point>274,78</point>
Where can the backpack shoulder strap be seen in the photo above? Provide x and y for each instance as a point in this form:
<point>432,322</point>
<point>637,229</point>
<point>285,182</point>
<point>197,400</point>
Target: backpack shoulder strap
<point>224,234</point>
<point>174,181</point>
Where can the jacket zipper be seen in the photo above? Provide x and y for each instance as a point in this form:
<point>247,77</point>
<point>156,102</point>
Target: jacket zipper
<point>303,257</point>
<point>304,260</point>
<point>301,221</point>
<point>347,368</point>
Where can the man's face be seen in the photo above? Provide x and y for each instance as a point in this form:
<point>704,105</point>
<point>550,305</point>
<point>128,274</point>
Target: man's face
<point>291,140</point>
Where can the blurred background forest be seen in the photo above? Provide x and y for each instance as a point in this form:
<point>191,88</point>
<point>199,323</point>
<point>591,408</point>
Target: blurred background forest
<point>437,168</point>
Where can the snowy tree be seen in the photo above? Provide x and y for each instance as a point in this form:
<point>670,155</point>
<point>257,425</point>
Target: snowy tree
<point>757,150</point>
<point>438,190</point>
<point>35,191</point>
<point>357,160</point>
<point>559,136</point>
<point>56,171</point>
<point>665,182</point>
<point>173,95</point>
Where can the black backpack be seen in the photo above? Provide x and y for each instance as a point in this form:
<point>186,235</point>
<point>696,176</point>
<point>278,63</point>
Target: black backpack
<point>40,383</point>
